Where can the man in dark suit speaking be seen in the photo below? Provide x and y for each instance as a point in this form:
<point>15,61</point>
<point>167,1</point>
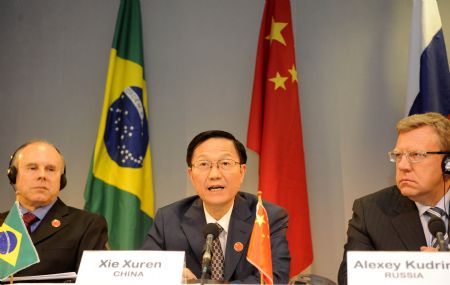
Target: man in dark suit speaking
<point>216,168</point>
<point>59,233</point>
<point>396,218</point>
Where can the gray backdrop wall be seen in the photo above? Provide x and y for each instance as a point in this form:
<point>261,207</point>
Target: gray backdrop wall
<point>199,57</point>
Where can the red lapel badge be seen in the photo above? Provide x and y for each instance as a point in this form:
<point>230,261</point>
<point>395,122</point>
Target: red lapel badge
<point>56,223</point>
<point>238,246</point>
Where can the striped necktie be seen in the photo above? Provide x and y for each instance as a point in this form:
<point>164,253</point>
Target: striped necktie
<point>28,219</point>
<point>438,213</point>
<point>217,259</point>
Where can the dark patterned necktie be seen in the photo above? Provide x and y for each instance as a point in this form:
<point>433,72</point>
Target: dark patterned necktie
<point>28,219</point>
<point>217,260</point>
<point>439,213</point>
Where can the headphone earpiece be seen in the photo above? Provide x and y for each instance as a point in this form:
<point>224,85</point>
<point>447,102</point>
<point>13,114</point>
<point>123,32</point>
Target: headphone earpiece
<point>446,164</point>
<point>63,179</point>
<point>12,170</point>
<point>12,174</point>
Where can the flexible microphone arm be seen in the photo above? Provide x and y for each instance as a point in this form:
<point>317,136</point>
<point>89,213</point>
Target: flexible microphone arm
<point>206,259</point>
<point>437,229</point>
<point>441,241</point>
<point>211,231</point>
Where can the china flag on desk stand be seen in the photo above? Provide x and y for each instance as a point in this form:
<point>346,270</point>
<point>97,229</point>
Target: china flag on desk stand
<point>259,253</point>
<point>275,131</point>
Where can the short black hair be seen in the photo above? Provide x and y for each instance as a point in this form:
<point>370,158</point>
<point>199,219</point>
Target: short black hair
<point>203,136</point>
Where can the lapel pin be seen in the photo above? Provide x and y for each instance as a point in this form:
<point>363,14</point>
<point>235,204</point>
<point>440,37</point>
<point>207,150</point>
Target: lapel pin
<point>56,223</point>
<point>238,246</point>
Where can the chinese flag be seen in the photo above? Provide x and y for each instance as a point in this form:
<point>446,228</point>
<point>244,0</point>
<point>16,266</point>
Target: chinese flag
<point>258,252</point>
<point>275,130</point>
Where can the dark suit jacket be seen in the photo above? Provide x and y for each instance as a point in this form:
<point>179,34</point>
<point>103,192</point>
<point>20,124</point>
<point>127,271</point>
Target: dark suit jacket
<point>385,221</point>
<point>60,248</point>
<point>179,226</point>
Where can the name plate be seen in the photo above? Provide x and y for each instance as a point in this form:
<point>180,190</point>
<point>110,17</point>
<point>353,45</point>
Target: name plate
<point>398,268</point>
<point>130,267</point>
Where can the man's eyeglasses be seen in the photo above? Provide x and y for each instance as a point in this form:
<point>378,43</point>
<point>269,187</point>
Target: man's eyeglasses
<point>411,156</point>
<point>223,164</point>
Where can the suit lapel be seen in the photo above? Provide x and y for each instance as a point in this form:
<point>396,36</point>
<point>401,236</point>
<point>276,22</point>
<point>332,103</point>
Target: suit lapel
<point>240,229</point>
<point>55,220</point>
<point>193,229</point>
<point>407,224</point>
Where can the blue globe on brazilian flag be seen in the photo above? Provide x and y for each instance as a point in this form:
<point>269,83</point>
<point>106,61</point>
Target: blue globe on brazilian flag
<point>126,130</point>
<point>16,248</point>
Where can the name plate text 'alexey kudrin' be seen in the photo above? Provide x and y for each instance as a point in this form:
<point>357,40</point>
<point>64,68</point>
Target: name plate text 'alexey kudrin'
<point>398,267</point>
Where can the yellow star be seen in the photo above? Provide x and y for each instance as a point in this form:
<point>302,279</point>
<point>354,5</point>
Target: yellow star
<point>275,32</point>
<point>279,81</point>
<point>293,73</point>
<point>260,220</point>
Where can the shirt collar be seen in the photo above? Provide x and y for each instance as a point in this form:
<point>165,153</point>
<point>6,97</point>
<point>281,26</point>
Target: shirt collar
<point>443,204</point>
<point>38,212</point>
<point>223,222</point>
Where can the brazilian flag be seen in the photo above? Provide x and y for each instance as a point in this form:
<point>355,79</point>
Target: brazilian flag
<point>16,248</point>
<point>119,183</point>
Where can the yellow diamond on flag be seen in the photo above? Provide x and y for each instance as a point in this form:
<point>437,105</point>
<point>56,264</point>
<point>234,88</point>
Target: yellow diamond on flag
<point>10,241</point>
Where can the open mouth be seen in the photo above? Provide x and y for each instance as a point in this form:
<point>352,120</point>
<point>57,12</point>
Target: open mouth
<point>215,188</point>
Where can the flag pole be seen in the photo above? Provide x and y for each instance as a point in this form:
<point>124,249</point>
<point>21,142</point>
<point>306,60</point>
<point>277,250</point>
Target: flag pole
<point>11,279</point>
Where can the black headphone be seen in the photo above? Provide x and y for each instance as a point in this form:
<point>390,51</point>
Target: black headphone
<point>445,165</point>
<point>12,170</point>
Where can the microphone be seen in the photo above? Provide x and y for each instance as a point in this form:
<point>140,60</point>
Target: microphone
<point>210,232</point>
<point>437,229</point>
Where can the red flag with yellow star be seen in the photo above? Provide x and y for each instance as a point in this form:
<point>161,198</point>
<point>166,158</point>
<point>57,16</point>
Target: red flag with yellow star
<point>275,130</point>
<point>258,252</point>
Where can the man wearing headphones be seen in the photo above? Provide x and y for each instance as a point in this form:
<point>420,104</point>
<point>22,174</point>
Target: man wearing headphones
<point>396,218</point>
<point>60,233</point>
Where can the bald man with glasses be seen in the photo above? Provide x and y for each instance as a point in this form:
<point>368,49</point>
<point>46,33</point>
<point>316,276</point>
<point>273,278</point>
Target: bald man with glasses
<point>396,218</point>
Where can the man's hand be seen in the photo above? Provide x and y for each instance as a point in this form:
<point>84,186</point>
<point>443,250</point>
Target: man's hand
<point>428,248</point>
<point>188,275</point>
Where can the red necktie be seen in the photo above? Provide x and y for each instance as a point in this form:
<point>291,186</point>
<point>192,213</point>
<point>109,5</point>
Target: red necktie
<point>29,218</point>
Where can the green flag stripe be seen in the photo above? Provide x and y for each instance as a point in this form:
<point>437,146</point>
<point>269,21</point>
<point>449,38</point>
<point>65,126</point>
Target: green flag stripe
<point>128,35</point>
<point>122,211</point>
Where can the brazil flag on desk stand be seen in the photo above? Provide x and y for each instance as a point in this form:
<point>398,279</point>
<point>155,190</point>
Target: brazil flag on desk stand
<point>16,248</point>
<point>119,184</point>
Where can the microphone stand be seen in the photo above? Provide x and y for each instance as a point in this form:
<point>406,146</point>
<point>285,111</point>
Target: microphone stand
<point>206,272</point>
<point>441,241</point>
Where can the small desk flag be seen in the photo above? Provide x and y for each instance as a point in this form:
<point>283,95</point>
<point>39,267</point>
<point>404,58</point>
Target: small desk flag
<point>259,252</point>
<point>16,248</point>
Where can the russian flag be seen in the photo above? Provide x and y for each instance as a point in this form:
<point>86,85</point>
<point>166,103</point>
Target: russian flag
<point>429,78</point>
